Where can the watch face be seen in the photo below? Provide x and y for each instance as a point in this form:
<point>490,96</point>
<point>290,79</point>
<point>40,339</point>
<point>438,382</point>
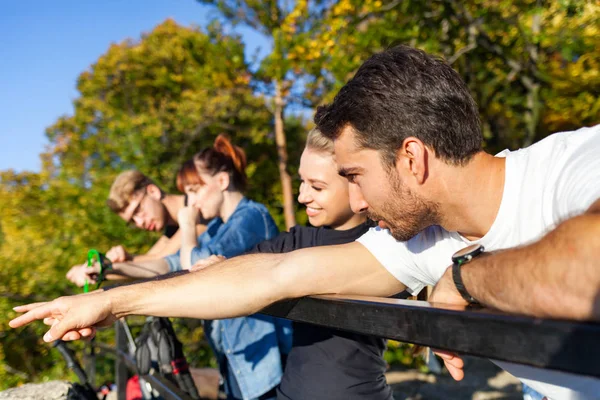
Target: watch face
<point>467,253</point>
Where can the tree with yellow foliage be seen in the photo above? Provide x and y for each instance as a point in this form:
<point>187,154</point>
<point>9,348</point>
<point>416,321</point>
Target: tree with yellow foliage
<point>532,66</point>
<point>150,104</point>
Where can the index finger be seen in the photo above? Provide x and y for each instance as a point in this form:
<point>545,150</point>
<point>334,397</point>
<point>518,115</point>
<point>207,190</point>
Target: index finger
<point>33,312</point>
<point>28,307</point>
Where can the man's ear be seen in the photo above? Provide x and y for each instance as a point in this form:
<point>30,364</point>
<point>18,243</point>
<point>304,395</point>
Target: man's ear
<point>222,180</point>
<point>412,159</point>
<point>153,191</point>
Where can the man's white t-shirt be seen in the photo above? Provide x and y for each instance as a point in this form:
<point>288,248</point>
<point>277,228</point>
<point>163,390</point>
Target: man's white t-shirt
<point>545,184</point>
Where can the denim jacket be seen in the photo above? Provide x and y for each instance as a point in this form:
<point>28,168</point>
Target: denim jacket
<point>251,346</point>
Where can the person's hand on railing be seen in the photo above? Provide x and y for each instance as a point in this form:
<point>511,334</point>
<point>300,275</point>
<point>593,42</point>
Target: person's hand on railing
<point>445,292</point>
<point>70,317</point>
<point>80,273</point>
<point>206,262</point>
<point>453,363</point>
<point>118,254</point>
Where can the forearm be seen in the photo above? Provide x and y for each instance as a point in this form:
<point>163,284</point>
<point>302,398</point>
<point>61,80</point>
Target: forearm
<point>247,284</point>
<point>158,246</point>
<point>189,240</point>
<point>168,247</point>
<point>348,269</point>
<point>233,288</point>
<point>236,287</point>
<point>558,276</point>
<point>138,270</point>
<point>148,257</point>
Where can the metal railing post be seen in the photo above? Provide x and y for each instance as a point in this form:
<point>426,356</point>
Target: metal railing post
<point>120,367</point>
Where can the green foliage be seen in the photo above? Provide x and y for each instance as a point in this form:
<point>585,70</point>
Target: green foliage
<point>149,104</point>
<point>403,354</point>
<point>533,67</point>
<point>281,23</point>
<point>152,104</point>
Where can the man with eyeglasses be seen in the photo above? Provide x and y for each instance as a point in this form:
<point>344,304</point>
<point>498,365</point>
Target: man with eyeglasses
<point>141,203</point>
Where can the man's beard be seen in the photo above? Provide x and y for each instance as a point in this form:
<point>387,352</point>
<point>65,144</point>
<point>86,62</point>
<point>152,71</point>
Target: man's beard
<point>406,214</point>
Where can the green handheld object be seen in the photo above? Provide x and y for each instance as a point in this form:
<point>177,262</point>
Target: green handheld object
<point>90,261</point>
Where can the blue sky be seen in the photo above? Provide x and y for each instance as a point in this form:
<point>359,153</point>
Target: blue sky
<point>45,45</point>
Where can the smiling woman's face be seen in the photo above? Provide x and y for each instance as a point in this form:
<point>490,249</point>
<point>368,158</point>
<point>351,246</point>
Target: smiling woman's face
<point>323,191</point>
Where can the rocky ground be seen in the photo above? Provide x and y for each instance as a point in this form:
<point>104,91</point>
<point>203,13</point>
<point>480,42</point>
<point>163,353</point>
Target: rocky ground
<point>483,381</point>
<point>55,390</point>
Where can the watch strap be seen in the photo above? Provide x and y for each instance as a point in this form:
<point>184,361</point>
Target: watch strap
<point>460,286</point>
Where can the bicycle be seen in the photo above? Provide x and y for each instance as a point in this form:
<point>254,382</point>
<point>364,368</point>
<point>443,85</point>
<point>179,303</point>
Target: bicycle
<point>156,349</point>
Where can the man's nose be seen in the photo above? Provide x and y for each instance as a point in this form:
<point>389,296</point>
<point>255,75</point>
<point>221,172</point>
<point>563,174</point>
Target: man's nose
<point>357,202</point>
<point>139,221</point>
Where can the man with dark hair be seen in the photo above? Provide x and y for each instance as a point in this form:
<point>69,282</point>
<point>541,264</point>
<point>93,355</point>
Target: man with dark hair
<point>407,119</point>
<point>405,92</point>
<point>408,140</point>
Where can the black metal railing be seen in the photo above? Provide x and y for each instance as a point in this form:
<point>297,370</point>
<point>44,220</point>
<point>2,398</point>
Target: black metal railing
<point>567,346</point>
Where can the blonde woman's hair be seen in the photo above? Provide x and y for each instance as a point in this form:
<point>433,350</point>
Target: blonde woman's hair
<point>315,140</point>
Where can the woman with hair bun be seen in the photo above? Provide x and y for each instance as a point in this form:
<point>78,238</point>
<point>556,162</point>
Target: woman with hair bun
<point>214,181</point>
<point>250,349</point>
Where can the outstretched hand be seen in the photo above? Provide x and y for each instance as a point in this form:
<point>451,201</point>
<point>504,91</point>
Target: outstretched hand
<point>70,318</point>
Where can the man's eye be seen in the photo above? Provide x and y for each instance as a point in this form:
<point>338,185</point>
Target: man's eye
<point>318,189</point>
<point>351,178</point>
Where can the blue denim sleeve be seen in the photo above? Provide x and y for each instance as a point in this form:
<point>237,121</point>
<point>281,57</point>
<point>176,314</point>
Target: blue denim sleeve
<point>174,262</point>
<point>242,232</point>
<point>199,253</point>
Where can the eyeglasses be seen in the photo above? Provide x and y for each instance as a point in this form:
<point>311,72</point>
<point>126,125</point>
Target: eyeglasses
<point>137,210</point>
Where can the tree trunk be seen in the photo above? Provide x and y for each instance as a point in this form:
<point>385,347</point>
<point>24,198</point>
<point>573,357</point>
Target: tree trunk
<point>534,105</point>
<point>282,155</point>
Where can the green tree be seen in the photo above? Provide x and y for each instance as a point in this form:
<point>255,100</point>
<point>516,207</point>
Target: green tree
<point>150,104</point>
<point>282,23</point>
<point>532,66</point>
<point>155,102</point>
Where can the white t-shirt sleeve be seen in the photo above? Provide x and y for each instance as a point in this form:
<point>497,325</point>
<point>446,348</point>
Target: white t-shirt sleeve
<point>394,256</point>
<point>577,184</point>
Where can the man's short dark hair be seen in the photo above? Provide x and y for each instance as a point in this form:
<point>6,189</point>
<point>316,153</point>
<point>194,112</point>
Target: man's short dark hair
<point>404,92</point>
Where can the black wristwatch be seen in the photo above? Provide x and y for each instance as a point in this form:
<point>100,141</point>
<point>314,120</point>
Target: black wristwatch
<point>460,258</point>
